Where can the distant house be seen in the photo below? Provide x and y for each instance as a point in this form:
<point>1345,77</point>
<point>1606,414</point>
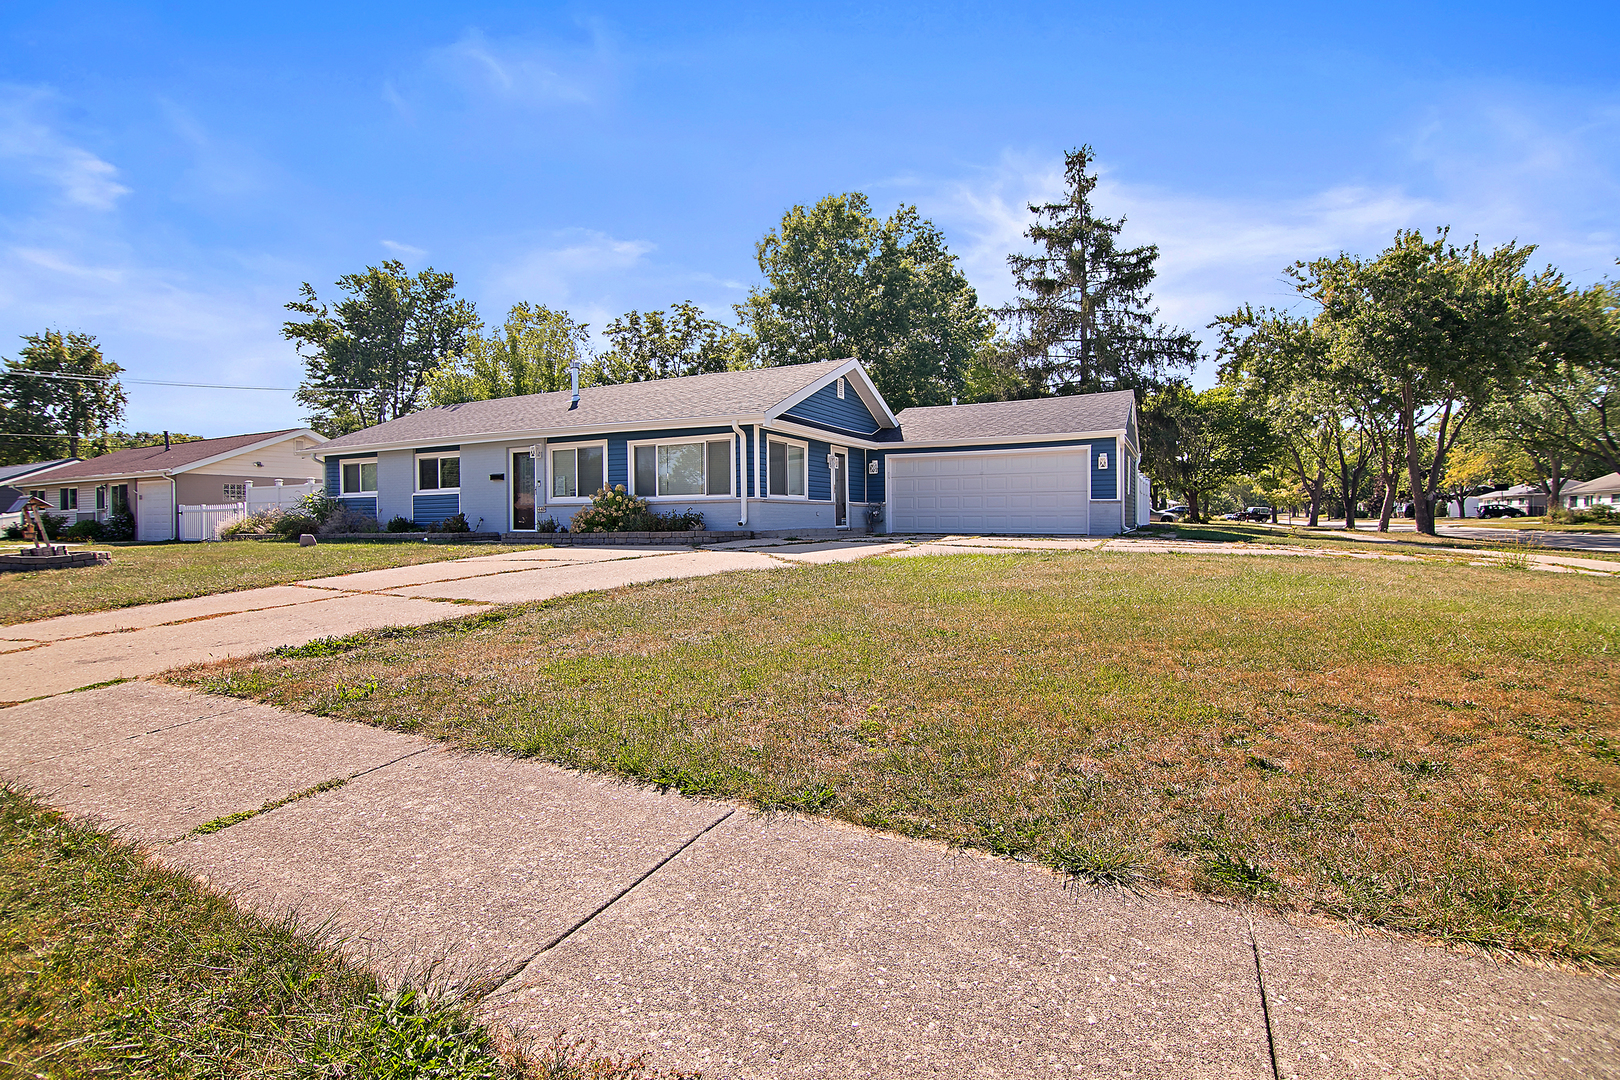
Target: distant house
<point>1604,491</point>
<point>1527,498</point>
<point>795,448</point>
<point>14,485</point>
<point>151,481</point>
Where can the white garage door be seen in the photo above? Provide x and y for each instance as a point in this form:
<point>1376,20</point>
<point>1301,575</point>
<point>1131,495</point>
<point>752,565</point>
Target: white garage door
<point>154,510</point>
<point>1032,491</point>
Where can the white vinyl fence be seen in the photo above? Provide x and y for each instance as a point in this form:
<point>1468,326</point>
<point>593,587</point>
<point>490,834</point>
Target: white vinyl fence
<point>204,520</point>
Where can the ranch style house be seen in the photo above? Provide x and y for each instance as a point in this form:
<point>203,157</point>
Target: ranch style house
<point>783,449</point>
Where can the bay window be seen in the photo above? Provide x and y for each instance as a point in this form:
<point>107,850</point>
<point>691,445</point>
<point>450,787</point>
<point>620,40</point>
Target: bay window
<point>674,469</point>
<point>785,463</point>
<point>578,472</point>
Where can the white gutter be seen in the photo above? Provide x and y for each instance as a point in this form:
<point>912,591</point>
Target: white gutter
<point>742,472</point>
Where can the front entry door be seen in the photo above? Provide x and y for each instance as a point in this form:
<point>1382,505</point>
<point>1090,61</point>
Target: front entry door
<point>523,492</point>
<point>840,486</point>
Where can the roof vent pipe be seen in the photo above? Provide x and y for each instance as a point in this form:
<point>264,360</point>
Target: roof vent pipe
<point>573,376</point>
<point>165,441</point>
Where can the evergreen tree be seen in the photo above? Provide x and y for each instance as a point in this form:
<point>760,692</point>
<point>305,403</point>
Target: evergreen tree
<point>1083,319</point>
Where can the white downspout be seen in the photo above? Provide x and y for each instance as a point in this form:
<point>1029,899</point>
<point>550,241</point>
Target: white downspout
<point>759,460</point>
<point>174,501</point>
<point>742,473</point>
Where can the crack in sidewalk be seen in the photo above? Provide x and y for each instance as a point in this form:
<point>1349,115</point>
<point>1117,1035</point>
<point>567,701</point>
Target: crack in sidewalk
<point>1265,1005</point>
<point>500,979</point>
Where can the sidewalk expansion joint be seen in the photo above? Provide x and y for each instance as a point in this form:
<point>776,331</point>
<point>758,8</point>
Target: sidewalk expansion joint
<point>1265,1006</point>
<point>499,980</point>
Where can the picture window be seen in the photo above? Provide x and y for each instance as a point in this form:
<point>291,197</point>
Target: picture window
<point>578,472</point>
<point>441,473</point>
<point>671,470</point>
<point>359,478</point>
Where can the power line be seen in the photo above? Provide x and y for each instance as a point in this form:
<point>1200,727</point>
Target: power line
<point>167,382</point>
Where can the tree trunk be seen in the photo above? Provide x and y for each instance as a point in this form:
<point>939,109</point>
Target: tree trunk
<point>1316,498</point>
<point>1422,509</point>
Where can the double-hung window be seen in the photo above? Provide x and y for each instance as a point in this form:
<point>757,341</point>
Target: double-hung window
<point>676,469</point>
<point>359,478</point>
<point>578,472</point>
<point>438,472</point>
<point>69,498</point>
<point>785,463</point>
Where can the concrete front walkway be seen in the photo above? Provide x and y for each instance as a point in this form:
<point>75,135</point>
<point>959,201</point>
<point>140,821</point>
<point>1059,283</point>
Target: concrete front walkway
<point>758,946</point>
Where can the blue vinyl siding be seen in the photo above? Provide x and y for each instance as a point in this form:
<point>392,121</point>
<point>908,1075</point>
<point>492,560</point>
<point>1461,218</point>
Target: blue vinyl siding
<point>427,509</point>
<point>825,409</point>
<point>874,484</point>
<point>1105,482</point>
<point>334,486</point>
<point>818,478</point>
<point>857,475</point>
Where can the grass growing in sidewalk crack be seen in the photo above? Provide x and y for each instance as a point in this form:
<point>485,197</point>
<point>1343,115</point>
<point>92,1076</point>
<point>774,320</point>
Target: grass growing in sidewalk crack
<point>112,965</point>
<point>240,816</point>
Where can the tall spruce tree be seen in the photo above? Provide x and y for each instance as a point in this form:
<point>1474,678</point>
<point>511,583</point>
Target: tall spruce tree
<point>1083,319</point>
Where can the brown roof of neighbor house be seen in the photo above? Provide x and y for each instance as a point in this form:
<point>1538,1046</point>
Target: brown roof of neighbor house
<point>142,460</point>
<point>1015,419</point>
<point>716,396</point>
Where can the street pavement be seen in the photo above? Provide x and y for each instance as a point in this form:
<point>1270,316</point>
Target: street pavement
<point>706,934</point>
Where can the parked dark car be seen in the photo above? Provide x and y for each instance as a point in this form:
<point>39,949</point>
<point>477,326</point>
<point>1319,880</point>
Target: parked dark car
<point>1500,510</point>
<point>1256,513</point>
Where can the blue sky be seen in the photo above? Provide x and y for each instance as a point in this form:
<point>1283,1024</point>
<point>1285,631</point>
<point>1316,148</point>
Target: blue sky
<point>170,174</point>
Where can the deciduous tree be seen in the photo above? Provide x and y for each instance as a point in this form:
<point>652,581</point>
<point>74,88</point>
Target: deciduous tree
<point>840,283</point>
<point>666,345</point>
<point>57,393</point>
<point>367,358</point>
<point>1197,443</point>
<point>530,354</point>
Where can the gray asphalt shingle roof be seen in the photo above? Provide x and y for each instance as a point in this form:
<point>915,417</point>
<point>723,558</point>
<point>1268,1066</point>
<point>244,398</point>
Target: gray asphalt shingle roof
<point>1013,419</point>
<point>717,396</point>
<point>10,472</point>
<point>151,459</point>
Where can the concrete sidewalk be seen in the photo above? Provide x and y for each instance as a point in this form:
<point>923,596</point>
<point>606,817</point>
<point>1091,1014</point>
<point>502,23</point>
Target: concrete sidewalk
<point>751,946</point>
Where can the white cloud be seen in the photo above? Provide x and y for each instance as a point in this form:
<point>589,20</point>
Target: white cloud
<point>404,250</point>
<point>28,141</point>
<point>524,72</point>
<point>585,261</point>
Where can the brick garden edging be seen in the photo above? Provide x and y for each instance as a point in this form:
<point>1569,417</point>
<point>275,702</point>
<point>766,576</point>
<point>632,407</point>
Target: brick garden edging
<point>18,563</point>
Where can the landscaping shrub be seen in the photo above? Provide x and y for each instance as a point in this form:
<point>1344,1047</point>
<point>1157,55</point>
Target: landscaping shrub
<point>318,506</point>
<point>54,524</point>
<point>15,532</point>
<point>120,525</point>
<point>616,510</point>
<point>400,523</point>
<point>547,525</point>
<point>343,521</point>
<point>294,525</point>
<point>455,523</point>
<point>88,529</point>
<point>1598,515</point>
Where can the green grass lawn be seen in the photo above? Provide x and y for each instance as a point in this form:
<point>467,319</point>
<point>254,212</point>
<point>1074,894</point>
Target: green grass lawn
<point>111,965</point>
<point>1406,543</point>
<point>145,573</point>
<point>1427,747</point>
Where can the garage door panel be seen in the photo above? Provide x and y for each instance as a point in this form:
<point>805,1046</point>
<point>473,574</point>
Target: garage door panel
<point>992,492</point>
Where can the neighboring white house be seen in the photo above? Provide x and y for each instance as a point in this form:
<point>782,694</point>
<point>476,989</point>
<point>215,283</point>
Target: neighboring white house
<point>1604,491</point>
<point>150,482</point>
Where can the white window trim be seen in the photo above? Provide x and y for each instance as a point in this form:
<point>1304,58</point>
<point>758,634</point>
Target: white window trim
<point>769,438</point>
<point>701,440</point>
<point>571,500</point>
<point>416,473</point>
<point>362,492</point>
